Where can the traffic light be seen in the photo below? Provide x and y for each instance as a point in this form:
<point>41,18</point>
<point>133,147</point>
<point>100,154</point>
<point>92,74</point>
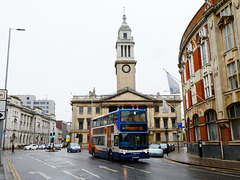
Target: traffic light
<point>53,134</point>
<point>50,135</point>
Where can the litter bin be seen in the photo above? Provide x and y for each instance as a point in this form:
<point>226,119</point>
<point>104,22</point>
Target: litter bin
<point>200,148</point>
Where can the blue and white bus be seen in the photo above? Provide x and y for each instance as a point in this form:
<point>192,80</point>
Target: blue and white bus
<point>122,134</point>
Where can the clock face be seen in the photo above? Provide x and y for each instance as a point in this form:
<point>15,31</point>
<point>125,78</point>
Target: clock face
<point>126,68</point>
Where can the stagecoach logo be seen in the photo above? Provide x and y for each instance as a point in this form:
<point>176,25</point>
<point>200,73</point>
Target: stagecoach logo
<point>135,153</point>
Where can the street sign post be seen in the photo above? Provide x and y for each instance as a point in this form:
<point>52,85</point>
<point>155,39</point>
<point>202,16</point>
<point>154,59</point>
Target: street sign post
<point>3,103</point>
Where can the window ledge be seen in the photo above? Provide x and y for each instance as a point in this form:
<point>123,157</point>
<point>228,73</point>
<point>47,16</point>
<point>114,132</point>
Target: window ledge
<point>233,143</point>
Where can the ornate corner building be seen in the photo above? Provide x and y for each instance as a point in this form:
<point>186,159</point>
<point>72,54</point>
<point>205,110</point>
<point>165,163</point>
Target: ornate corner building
<point>210,71</point>
<point>163,127</point>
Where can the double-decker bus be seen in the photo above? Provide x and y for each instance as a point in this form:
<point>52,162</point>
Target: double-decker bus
<point>122,134</point>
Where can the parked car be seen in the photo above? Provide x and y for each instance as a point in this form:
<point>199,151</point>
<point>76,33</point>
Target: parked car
<point>42,146</point>
<point>31,147</point>
<point>73,147</point>
<point>155,150</point>
<point>165,148</point>
<point>58,146</point>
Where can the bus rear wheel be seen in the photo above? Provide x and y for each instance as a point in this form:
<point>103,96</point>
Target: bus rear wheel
<point>93,152</point>
<point>110,155</point>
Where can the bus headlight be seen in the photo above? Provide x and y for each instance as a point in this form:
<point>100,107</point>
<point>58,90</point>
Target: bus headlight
<point>124,152</point>
<point>146,151</point>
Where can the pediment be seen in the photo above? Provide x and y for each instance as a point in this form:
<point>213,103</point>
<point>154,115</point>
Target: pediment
<point>128,96</point>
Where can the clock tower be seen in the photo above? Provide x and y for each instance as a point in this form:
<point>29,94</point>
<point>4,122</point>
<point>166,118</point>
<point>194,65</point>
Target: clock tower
<point>125,63</point>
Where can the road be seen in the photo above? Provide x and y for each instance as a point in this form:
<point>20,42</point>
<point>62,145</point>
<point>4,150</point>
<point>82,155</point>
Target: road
<point>39,164</point>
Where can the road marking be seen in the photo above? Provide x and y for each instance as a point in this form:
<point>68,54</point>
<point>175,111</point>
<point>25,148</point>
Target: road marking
<point>12,168</point>
<point>91,173</point>
<point>45,163</point>
<point>42,174</point>
<point>104,167</point>
<point>71,163</point>
<point>214,172</point>
<point>73,175</point>
<point>137,169</point>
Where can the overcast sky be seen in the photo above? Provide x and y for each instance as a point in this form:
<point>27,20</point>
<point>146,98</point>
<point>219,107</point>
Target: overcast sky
<point>69,45</point>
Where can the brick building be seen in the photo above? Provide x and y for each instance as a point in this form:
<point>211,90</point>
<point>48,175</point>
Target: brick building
<point>210,71</point>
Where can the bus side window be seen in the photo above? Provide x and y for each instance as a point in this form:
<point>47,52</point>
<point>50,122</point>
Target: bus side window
<point>110,119</point>
<point>116,140</point>
<point>115,117</point>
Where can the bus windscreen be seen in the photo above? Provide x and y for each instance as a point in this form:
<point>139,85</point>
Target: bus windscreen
<point>131,141</point>
<point>133,116</point>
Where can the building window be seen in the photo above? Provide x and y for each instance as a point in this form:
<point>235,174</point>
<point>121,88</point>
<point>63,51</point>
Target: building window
<point>190,59</point>
<point>232,75</point>
<point>234,115</point>
<point>172,109</point>
<point>173,123</point>
<point>80,124</point>
<point>157,123</point>
<point>174,136</point>
<point>165,123</point>
<point>28,102</point>
<point>197,128</point>
<point>158,136</point>
<point>194,94</point>
<point>87,138</point>
<point>204,45</point>
<point>208,85</point>
<point>229,29</point>
<point>125,35</point>
<point>89,110</point>
<point>81,110</point>
<point>88,123</point>
<point>156,108</point>
<point>212,125</point>
<point>97,110</point>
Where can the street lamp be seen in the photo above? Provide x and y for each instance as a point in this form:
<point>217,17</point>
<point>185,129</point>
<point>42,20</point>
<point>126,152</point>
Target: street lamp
<point>9,38</point>
<point>1,122</point>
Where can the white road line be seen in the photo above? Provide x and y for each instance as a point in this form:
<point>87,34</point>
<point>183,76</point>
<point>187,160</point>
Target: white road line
<point>42,174</point>
<point>71,163</point>
<point>104,167</point>
<point>45,163</point>
<point>91,173</point>
<point>214,172</point>
<point>73,175</point>
<point>137,169</point>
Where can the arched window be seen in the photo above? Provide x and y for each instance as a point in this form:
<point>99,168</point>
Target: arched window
<point>189,130</point>
<point>196,126</point>
<point>234,116</point>
<point>210,117</point>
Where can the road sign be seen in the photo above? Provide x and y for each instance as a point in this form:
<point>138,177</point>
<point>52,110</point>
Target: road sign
<point>3,95</point>
<point>3,102</point>
<point>2,115</point>
<point>179,127</point>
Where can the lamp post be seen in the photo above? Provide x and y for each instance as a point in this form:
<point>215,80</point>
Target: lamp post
<point>9,38</point>
<point>1,122</point>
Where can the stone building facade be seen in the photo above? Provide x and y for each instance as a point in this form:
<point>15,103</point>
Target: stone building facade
<point>25,125</point>
<point>210,70</point>
<point>163,127</point>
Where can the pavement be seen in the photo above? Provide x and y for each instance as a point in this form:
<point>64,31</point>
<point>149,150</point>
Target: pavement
<point>183,157</point>
<point>180,156</point>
